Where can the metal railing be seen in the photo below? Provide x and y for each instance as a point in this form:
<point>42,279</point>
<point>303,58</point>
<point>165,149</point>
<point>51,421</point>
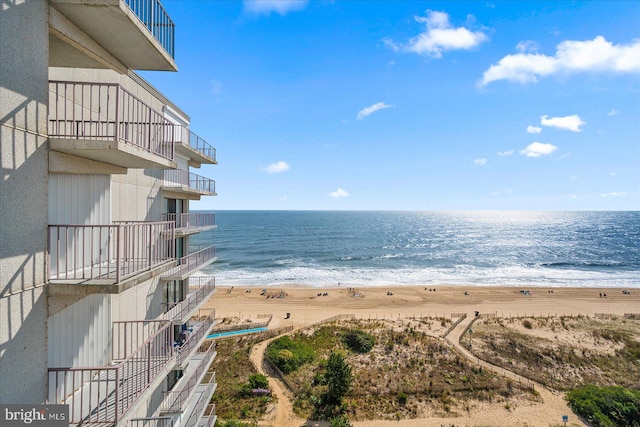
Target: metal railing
<point>108,251</point>
<point>209,418</point>
<point>191,220</point>
<point>152,422</point>
<point>182,178</point>
<point>202,402</point>
<point>175,400</point>
<point>155,18</point>
<point>200,288</point>
<point>200,332</point>
<point>104,394</point>
<point>106,111</point>
<point>191,262</point>
<point>186,136</point>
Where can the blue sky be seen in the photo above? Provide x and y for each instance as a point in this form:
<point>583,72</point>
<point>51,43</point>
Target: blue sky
<point>411,105</point>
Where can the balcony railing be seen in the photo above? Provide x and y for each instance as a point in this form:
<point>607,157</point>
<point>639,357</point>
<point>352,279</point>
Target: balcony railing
<point>176,400</point>
<point>187,137</point>
<point>190,263</point>
<point>83,252</point>
<point>196,417</point>
<point>104,394</point>
<point>104,111</point>
<point>202,324</point>
<point>200,288</point>
<point>192,220</point>
<point>155,18</point>
<point>209,418</point>
<point>181,178</point>
<point>152,422</point>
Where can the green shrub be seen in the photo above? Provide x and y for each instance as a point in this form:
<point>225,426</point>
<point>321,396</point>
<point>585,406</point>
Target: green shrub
<point>338,378</point>
<point>340,421</point>
<point>606,406</point>
<point>402,398</point>
<point>527,324</point>
<point>359,341</point>
<point>258,381</point>
<point>288,355</point>
<point>234,423</point>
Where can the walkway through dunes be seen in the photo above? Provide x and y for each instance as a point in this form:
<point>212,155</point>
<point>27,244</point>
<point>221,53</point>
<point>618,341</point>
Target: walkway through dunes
<point>492,415</point>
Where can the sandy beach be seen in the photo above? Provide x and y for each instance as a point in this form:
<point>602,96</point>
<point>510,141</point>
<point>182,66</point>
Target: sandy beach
<point>301,306</point>
<point>306,307</point>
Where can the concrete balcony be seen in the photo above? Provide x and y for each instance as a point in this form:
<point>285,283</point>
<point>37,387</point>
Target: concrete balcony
<point>86,259</point>
<point>197,149</point>
<point>142,357</point>
<point>165,421</point>
<point>200,289</point>
<point>189,184</point>
<point>199,327</point>
<point>192,222</point>
<point>176,400</point>
<point>191,263</point>
<point>209,417</point>
<point>105,123</point>
<point>200,413</point>
<point>118,34</point>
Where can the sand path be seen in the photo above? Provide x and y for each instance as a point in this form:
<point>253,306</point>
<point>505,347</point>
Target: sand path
<point>306,308</point>
<point>555,405</point>
<point>283,414</point>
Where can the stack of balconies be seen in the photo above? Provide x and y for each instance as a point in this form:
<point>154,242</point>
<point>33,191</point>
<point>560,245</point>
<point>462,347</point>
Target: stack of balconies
<point>142,356</point>
<point>104,128</point>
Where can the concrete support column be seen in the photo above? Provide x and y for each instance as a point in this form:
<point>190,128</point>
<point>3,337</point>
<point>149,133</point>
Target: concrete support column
<point>24,59</point>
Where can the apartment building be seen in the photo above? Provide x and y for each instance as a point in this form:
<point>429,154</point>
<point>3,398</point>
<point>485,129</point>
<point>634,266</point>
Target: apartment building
<point>101,293</point>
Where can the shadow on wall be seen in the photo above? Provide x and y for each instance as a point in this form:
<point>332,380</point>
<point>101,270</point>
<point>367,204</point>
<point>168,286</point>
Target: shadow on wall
<point>24,43</point>
<point>23,349</point>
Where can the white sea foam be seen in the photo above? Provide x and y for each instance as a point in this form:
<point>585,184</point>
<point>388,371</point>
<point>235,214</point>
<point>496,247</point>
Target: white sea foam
<point>460,275</point>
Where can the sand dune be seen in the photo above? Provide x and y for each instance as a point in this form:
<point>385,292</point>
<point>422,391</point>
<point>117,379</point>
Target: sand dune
<point>307,305</point>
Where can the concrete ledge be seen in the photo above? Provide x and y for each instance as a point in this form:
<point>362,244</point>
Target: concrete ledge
<point>67,163</point>
<point>118,153</point>
<point>84,287</point>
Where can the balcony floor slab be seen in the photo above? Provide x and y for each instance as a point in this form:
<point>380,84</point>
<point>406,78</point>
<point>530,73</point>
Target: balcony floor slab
<point>118,153</point>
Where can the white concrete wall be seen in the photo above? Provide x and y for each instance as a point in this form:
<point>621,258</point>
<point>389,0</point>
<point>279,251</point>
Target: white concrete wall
<point>136,196</point>
<point>24,51</point>
<point>142,302</point>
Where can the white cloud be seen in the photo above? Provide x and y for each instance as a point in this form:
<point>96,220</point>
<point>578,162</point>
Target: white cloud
<point>439,36</point>
<point>276,167</point>
<point>613,174</point>
<point>372,109</point>
<point>613,113</point>
<point>281,7</point>
<point>614,194</point>
<point>538,149</point>
<point>571,123</point>
<point>527,46</point>
<point>534,129</point>
<point>505,153</point>
<point>589,56</point>
<point>339,193</point>
<point>480,162</point>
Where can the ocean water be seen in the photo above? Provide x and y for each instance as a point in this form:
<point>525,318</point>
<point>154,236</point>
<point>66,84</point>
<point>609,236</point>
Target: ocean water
<point>368,248</point>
